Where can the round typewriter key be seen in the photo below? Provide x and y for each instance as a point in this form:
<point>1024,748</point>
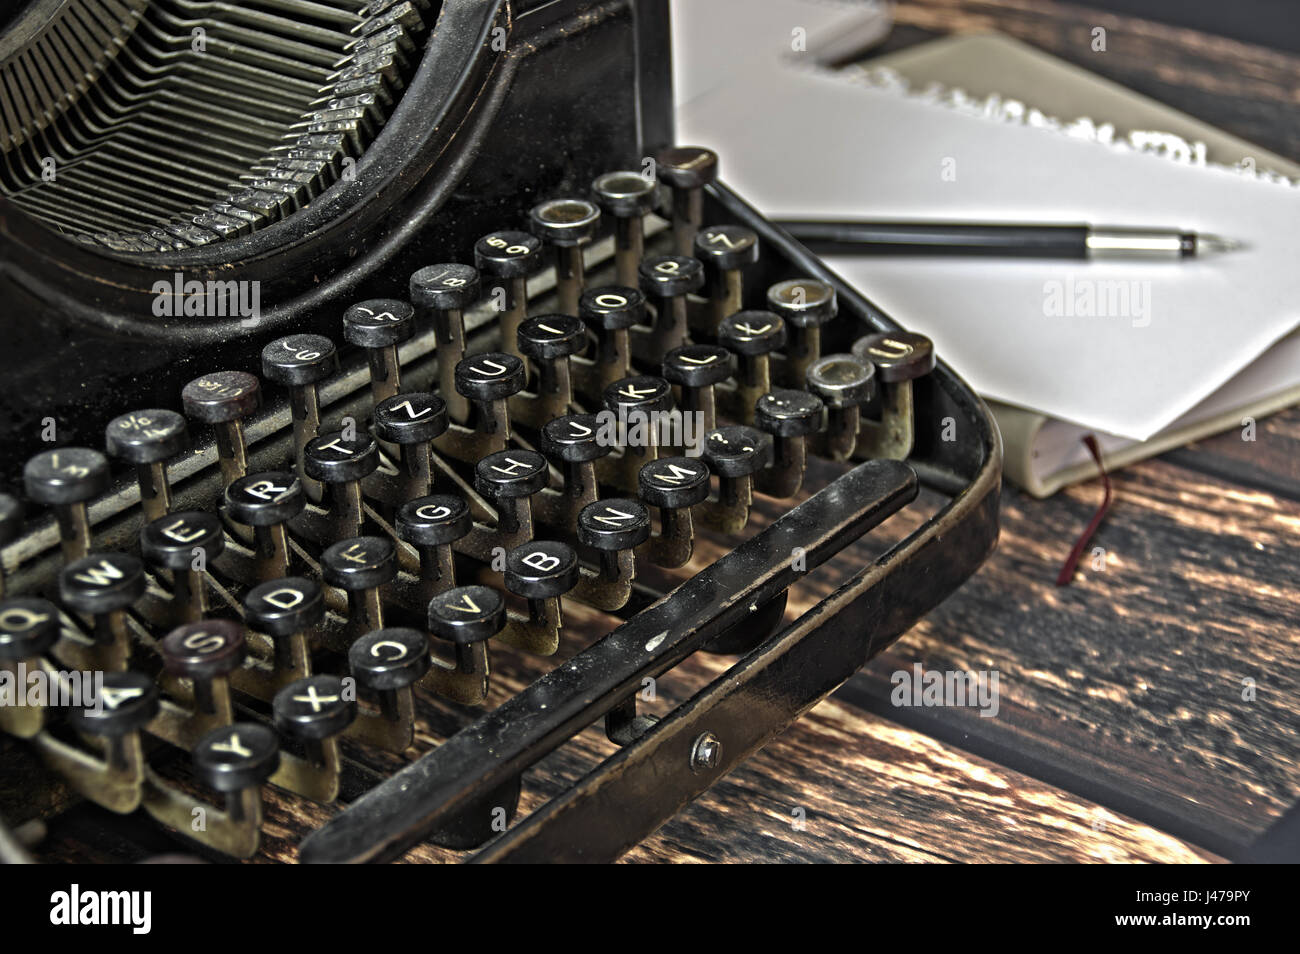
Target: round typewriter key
<point>640,393</point>
<point>125,702</point>
<point>512,473</point>
<point>789,416</point>
<point>467,614</point>
<point>299,360</point>
<point>574,438</point>
<point>541,569</point>
<point>66,479</point>
<point>334,459</point>
<point>29,626</point>
<point>669,279</point>
<point>236,757</point>
<point>614,524</point>
<point>842,381</point>
<point>265,499</point>
<point>612,307</point>
<point>204,649</point>
<point>896,355</point>
<point>737,450</point>
<point>361,566</point>
<point>565,221</point>
<point>610,311</point>
<point>686,170</point>
<point>389,659</point>
<point>727,247</point>
<point>412,418</point>
<point>567,225</point>
<point>434,521</point>
<point>804,304</point>
<point>102,583</point>
<point>490,377</point>
<point>301,363</point>
<point>446,287</point>
<point>626,197</point>
<point>170,542</point>
<point>752,333</point>
<point>291,604</point>
<point>508,254</point>
<point>378,323</point>
<point>785,413</point>
<point>286,609</point>
<point>508,259</point>
<point>147,439</point>
<point>673,483</point>
<point>698,365</point>
<point>361,563</point>
<point>313,708</point>
<point>696,369</point>
<point>432,524</point>
<point>379,326</point>
<point>548,337</point>
<point>223,399</point>
<point>68,475</point>
<point>671,276</point>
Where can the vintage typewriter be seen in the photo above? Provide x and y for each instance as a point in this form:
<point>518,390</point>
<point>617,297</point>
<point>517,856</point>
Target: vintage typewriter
<point>394,411</point>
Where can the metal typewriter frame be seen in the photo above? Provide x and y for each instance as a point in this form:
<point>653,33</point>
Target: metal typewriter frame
<point>635,790</point>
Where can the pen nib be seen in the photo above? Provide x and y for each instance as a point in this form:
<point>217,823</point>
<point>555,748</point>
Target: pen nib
<point>1216,243</point>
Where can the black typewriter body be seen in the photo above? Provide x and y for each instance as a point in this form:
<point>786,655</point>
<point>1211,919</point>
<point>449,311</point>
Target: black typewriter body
<point>530,104</point>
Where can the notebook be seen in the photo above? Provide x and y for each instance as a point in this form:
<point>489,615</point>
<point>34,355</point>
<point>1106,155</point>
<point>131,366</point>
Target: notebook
<point>1194,349</point>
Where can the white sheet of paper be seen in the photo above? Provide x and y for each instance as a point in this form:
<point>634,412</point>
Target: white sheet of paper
<point>798,144</point>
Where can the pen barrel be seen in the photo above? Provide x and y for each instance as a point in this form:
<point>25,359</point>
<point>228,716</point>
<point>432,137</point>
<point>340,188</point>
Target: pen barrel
<point>915,238</point>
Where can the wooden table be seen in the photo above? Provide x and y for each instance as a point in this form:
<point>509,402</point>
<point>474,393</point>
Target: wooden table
<point>1126,730</point>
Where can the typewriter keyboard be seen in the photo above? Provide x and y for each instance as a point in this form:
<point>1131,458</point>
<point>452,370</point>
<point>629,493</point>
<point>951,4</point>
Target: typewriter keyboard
<point>312,582</point>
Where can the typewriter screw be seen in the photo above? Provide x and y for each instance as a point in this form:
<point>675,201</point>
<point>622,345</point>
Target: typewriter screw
<point>609,312</point>
<point>804,304</point>
<point>379,326</point>
<point>66,480</point>
<point>669,279</point>
<point>11,527</point>
<point>412,421</point>
<point>627,196</point>
<point>686,170</point>
<point>696,369</point>
<point>147,439</point>
<point>513,256</point>
<point>725,250</point>
<point>441,293</point>
<point>223,399</point>
<point>301,363</point>
<point>568,225</point>
<point>899,357</point>
<point>844,383</point>
<point>754,335</point>
<point>169,543</point>
<point>266,502</point>
<point>360,566</point>
<point>706,753</point>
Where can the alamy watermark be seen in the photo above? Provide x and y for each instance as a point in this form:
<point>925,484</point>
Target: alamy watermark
<point>41,687</point>
<point>951,688</point>
<point>210,299</point>
<point>636,428</point>
<point>1094,298</point>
